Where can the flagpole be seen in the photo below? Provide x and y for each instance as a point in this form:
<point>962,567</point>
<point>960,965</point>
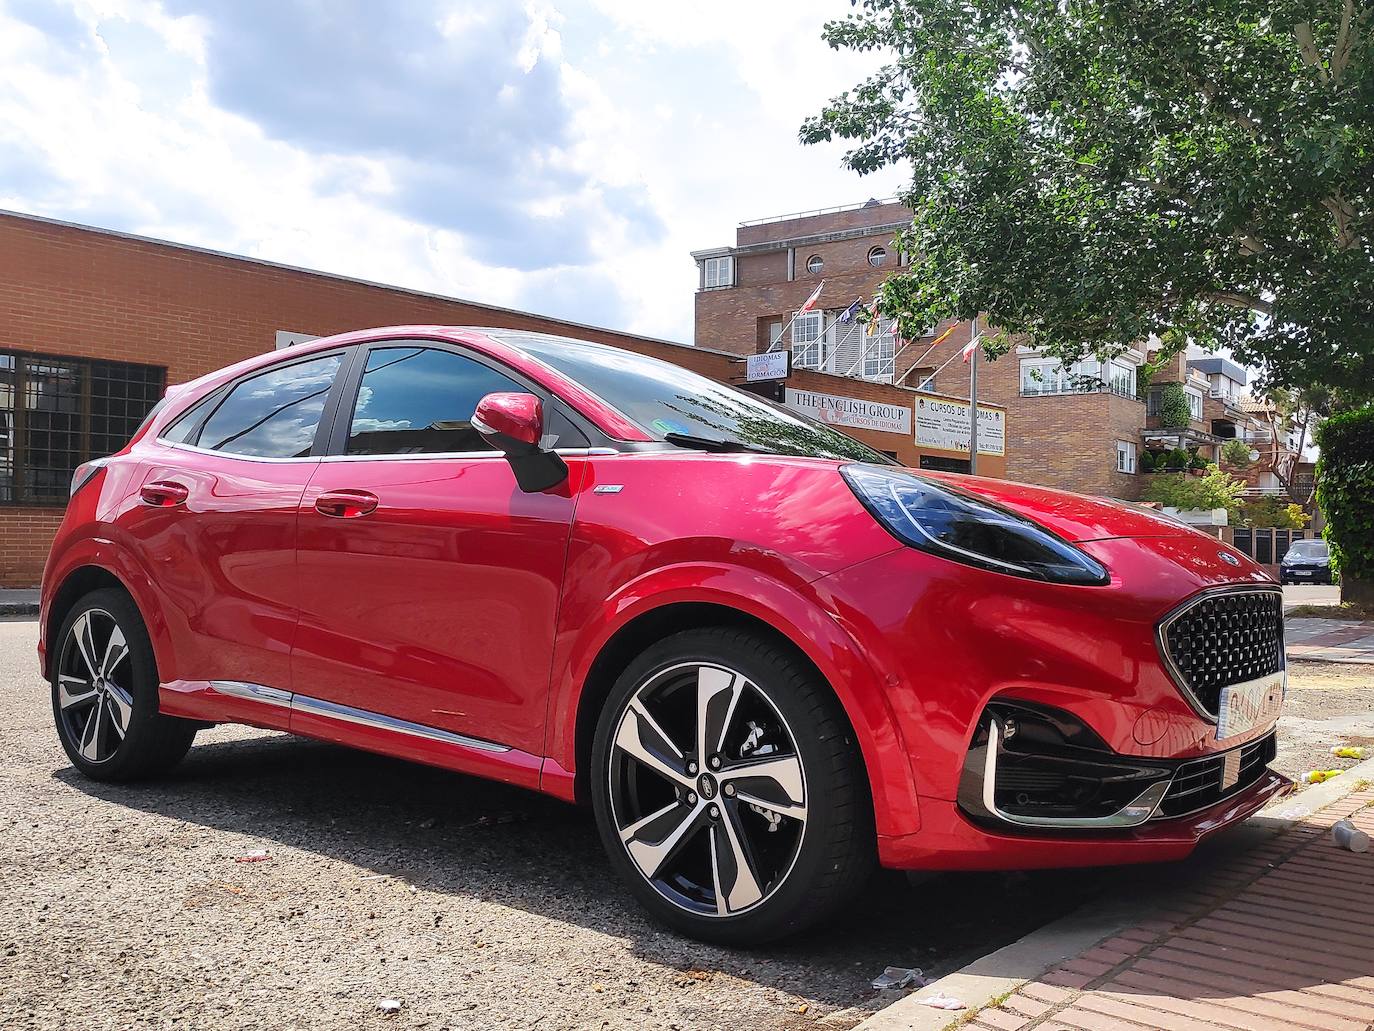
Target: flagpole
<point>973,402</point>
<point>914,365</point>
<point>796,315</point>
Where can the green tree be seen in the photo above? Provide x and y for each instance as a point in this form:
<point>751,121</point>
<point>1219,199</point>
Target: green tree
<point>1217,489</point>
<point>1091,173</point>
<point>1236,453</point>
<point>1345,493</point>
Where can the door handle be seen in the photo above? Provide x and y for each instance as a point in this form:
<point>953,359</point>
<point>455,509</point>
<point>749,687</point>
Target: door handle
<point>345,504</point>
<point>164,493</point>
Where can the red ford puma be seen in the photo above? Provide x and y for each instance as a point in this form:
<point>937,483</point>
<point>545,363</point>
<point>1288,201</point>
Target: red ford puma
<point>767,656</point>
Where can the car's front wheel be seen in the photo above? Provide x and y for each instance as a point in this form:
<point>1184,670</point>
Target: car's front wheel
<point>729,790</point>
<point>104,693</point>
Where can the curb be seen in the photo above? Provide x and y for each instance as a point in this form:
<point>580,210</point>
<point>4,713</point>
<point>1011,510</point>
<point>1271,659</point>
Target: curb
<point>18,608</point>
<point>989,979</point>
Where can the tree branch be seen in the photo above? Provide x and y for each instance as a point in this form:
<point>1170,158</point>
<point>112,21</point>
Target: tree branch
<point>1235,299</point>
<point>1307,46</point>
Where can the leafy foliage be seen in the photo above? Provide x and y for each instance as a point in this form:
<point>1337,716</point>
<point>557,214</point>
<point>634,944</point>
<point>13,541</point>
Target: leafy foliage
<point>1345,492</point>
<point>1236,453</point>
<point>1091,173</point>
<point>1217,489</point>
<point>1274,512</point>
<point>1173,406</point>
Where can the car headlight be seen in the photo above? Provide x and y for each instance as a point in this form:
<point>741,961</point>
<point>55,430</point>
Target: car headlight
<point>954,525</point>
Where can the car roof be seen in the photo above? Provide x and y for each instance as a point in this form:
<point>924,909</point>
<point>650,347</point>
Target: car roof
<point>485,340</point>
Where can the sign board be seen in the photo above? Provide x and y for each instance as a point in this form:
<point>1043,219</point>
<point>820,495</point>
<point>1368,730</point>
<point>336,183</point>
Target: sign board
<point>769,365</point>
<point>944,424</point>
<point>854,412</point>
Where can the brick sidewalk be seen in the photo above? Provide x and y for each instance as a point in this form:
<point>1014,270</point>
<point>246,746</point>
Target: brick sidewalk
<point>1329,640</point>
<point>1280,938</point>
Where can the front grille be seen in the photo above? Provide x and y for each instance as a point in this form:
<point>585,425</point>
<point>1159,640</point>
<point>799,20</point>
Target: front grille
<point>1197,784</point>
<point>1224,639</point>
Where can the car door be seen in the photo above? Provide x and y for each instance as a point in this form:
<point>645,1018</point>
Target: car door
<point>219,502</point>
<point>429,581</point>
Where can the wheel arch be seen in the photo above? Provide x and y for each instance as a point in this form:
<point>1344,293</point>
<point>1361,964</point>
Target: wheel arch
<point>78,583</point>
<point>804,629</point>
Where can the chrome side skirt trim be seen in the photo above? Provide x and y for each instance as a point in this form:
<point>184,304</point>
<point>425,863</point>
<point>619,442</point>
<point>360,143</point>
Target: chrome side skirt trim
<point>253,692</point>
<point>1133,814</point>
<point>347,714</point>
<point>364,718</point>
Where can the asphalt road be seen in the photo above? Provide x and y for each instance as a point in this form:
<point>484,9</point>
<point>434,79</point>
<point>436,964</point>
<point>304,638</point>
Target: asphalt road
<point>474,904</point>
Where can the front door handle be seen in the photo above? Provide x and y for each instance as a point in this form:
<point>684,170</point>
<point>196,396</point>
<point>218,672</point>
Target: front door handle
<point>164,493</point>
<point>345,504</point>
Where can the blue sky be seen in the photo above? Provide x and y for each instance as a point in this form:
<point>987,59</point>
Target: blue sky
<point>560,157</point>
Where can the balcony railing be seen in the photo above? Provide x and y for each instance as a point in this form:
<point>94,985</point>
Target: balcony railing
<point>1046,389</point>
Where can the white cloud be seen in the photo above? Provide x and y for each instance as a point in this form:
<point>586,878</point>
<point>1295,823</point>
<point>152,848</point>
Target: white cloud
<point>563,157</point>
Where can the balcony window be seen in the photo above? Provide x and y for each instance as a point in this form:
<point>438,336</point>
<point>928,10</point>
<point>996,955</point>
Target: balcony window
<point>1194,405</point>
<point>717,272</point>
<point>1122,380</point>
<point>56,413</point>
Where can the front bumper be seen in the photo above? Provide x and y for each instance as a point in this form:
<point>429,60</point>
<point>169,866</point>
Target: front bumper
<point>950,840</point>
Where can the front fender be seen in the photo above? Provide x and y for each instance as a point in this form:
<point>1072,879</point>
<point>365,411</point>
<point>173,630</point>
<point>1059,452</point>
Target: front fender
<point>801,612</point>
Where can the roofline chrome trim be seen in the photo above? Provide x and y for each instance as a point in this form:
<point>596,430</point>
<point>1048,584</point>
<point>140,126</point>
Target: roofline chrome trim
<point>380,721</point>
<point>1133,814</point>
<point>1162,647</point>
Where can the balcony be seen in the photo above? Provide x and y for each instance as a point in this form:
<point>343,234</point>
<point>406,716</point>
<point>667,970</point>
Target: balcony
<point>1047,389</point>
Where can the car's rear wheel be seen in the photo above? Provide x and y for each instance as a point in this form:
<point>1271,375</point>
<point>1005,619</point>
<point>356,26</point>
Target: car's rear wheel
<point>104,693</point>
<point>728,789</point>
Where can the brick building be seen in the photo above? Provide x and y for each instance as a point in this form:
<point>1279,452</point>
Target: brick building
<point>94,324</point>
<point>1083,427</point>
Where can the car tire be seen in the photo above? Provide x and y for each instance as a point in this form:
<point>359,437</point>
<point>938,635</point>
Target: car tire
<point>105,693</point>
<point>711,850</point>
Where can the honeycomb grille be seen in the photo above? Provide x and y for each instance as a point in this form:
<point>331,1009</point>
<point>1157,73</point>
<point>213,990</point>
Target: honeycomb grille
<point>1226,639</point>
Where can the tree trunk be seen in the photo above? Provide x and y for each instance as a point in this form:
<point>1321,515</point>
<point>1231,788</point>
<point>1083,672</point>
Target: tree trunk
<point>1357,592</point>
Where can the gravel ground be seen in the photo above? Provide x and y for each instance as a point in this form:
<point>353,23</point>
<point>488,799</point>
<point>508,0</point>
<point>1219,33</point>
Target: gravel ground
<point>474,904</point>
<point>1328,704</point>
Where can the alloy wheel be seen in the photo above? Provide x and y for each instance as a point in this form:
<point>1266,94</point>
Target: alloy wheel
<point>707,789</point>
<point>94,685</point>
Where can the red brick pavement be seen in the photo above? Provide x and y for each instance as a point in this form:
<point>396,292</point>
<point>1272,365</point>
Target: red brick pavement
<point>1281,938</point>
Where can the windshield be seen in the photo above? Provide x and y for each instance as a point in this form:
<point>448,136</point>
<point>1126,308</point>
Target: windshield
<point>684,408</point>
<point>1308,549</point>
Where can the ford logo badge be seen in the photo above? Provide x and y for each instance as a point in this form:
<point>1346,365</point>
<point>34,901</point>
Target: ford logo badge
<point>1227,557</point>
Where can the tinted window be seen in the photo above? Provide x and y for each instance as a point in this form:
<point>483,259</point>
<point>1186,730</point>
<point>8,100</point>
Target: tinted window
<point>1308,549</point>
<point>274,414</point>
<point>667,400</point>
<point>419,400</point>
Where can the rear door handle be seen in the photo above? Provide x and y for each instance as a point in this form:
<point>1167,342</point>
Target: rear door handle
<point>164,493</point>
<point>345,504</point>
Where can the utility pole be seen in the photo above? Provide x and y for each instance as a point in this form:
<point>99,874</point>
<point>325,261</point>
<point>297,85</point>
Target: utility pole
<point>973,401</point>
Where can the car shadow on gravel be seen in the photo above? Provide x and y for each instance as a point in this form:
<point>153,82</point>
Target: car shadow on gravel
<point>449,833</point>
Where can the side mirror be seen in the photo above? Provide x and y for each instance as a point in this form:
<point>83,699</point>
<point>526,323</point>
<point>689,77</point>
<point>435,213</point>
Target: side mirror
<point>514,425</point>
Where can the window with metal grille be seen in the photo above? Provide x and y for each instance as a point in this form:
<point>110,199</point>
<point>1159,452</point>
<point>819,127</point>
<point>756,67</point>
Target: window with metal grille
<point>56,413</point>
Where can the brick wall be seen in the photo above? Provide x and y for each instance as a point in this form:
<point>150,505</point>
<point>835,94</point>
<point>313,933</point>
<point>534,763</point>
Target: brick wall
<point>75,292</point>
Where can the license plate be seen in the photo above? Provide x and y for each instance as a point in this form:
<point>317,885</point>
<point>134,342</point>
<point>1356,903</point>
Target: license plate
<point>1302,572</point>
<point>1251,704</point>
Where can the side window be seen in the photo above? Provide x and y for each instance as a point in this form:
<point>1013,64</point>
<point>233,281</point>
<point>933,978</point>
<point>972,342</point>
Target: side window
<point>420,400</point>
<point>274,414</point>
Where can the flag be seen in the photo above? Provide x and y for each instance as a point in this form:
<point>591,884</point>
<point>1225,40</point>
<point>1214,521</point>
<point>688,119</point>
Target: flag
<point>873,317</point>
<point>969,348</point>
<point>941,338</point>
<point>815,296</point>
<point>848,314</point>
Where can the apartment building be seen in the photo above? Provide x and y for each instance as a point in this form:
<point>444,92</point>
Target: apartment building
<point>1092,426</point>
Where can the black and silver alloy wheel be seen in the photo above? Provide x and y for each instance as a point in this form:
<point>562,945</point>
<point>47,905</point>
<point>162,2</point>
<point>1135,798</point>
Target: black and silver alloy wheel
<point>728,788</point>
<point>105,692</point>
<point>94,694</point>
<point>707,788</point>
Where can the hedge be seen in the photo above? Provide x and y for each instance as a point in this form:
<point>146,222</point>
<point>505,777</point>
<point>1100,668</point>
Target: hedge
<point>1345,493</point>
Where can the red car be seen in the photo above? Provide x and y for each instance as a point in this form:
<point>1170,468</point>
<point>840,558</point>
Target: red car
<point>765,654</point>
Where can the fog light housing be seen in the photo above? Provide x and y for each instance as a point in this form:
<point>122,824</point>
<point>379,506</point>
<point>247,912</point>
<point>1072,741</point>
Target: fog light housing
<point>1038,767</point>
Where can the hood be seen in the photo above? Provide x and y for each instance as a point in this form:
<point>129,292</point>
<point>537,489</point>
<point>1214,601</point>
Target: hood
<point>1075,517</point>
